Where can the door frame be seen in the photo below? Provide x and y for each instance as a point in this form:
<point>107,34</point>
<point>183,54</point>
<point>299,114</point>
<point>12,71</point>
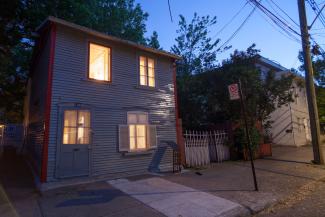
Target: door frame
<point>60,118</point>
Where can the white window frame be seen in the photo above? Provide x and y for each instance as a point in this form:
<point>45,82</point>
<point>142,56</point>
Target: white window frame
<point>109,59</point>
<point>136,149</point>
<point>147,71</point>
<point>77,127</point>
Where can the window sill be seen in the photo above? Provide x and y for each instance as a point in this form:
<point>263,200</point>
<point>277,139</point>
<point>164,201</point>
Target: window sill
<point>108,83</point>
<point>137,153</point>
<point>142,87</point>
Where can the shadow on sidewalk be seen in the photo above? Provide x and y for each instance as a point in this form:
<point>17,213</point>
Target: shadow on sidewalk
<point>14,173</point>
<point>288,161</point>
<point>90,197</point>
<point>276,172</point>
<point>18,191</point>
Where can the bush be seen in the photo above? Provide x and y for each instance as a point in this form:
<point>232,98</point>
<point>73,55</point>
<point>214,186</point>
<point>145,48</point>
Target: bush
<point>240,140</point>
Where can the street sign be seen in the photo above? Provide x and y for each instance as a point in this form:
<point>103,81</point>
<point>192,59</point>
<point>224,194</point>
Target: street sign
<point>233,92</point>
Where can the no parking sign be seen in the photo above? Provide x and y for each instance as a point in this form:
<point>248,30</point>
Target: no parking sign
<point>233,92</point>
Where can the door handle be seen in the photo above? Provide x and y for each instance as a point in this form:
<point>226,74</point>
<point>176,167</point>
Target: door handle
<point>76,149</point>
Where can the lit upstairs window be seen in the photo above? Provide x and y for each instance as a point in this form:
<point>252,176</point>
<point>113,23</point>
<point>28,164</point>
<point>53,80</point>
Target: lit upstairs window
<point>99,62</point>
<point>147,71</point>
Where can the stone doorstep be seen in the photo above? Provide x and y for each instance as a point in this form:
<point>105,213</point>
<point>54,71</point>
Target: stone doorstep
<point>172,199</point>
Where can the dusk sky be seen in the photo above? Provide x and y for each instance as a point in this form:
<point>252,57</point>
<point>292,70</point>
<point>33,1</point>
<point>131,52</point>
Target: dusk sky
<point>268,38</point>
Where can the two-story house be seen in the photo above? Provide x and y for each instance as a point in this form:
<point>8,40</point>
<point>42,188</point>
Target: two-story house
<point>290,122</point>
<point>97,105</point>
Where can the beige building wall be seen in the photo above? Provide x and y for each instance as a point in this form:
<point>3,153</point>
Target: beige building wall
<point>291,126</point>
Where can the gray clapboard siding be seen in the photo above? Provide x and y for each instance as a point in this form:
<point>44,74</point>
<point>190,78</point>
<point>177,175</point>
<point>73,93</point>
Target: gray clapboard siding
<point>110,102</point>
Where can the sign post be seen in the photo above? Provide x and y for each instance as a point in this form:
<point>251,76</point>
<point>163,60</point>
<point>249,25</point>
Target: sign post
<point>235,93</point>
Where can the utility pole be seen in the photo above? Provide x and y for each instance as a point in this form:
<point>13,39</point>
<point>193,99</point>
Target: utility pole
<point>310,88</point>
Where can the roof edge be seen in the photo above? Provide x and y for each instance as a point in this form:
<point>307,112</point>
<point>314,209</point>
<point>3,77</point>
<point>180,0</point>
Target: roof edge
<point>87,30</point>
<point>268,62</point>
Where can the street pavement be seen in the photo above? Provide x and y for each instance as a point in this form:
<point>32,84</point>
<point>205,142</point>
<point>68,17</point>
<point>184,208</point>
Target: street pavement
<point>288,186</point>
<point>309,201</point>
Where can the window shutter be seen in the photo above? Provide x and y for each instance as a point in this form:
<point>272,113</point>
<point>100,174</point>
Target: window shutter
<point>151,136</point>
<point>124,138</point>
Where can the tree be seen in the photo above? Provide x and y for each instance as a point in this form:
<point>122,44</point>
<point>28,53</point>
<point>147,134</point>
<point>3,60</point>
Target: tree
<point>318,61</point>
<point>19,19</point>
<point>320,91</point>
<point>12,79</point>
<point>263,94</point>
<point>198,52</point>
<point>153,41</point>
<point>197,49</point>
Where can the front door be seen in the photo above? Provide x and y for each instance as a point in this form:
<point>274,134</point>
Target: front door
<point>75,143</point>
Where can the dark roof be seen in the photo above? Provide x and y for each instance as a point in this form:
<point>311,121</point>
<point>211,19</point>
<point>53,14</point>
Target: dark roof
<point>89,31</point>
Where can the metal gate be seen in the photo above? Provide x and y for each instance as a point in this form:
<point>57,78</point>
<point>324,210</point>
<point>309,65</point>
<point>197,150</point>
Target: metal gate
<point>202,148</point>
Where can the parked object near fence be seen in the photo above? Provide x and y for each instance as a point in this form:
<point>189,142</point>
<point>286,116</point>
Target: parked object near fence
<point>202,148</point>
<point>12,135</point>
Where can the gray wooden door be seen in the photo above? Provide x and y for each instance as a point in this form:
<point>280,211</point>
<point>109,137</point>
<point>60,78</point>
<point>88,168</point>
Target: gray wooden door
<point>75,143</point>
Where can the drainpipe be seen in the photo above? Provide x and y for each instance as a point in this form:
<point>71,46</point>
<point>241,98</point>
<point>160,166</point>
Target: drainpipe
<point>293,132</point>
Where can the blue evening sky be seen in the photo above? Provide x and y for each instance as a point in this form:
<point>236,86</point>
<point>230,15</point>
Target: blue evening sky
<point>273,44</point>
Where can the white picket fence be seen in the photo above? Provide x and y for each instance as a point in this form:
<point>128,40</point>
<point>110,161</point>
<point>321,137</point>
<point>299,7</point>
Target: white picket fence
<point>202,148</point>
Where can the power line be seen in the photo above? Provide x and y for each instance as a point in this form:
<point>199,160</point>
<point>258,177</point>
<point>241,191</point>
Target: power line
<point>230,21</point>
<point>284,12</point>
<point>317,11</point>
<point>278,30</point>
<point>292,33</point>
<point>285,26</point>
<point>170,12</point>
<point>237,30</point>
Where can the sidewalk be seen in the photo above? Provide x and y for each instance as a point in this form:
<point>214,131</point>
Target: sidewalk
<point>277,178</point>
<point>226,183</point>
<point>18,196</point>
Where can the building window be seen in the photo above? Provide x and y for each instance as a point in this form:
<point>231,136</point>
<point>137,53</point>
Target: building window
<point>99,62</point>
<point>138,135</point>
<point>137,130</point>
<point>147,71</point>
<point>76,128</point>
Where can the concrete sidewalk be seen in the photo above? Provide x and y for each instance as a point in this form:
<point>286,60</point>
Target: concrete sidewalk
<point>19,198</point>
<point>229,182</point>
<point>176,200</point>
<point>277,178</point>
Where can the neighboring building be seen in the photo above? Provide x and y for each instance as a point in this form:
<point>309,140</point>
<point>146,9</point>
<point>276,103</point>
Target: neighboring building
<point>98,106</point>
<point>290,122</point>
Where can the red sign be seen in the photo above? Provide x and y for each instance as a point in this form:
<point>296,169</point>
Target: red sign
<point>233,92</point>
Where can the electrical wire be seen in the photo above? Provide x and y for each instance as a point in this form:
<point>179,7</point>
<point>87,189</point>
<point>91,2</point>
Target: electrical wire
<point>236,31</point>
<point>278,30</point>
<point>170,12</point>
<point>286,28</point>
<point>316,9</point>
<point>230,21</point>
<point>284,13</point>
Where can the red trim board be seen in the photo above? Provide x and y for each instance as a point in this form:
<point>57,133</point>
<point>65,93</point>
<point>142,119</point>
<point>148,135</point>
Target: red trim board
<point>48,104</point>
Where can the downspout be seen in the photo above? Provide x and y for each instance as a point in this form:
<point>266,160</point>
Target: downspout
<point>48,101</point>
<point>293,130</point>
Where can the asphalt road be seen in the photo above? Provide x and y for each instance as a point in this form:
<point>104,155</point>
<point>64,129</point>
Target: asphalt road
<point>309,202</point>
